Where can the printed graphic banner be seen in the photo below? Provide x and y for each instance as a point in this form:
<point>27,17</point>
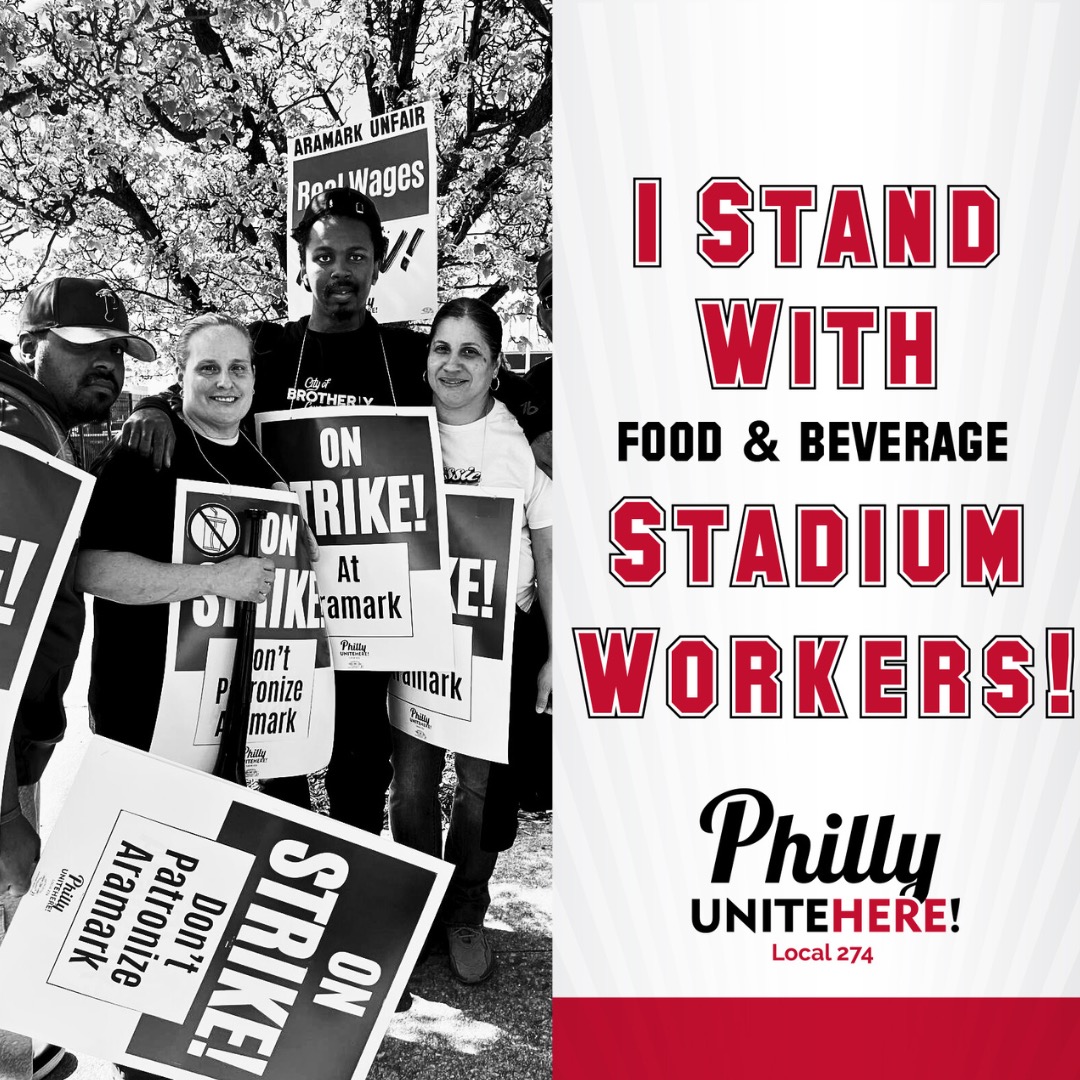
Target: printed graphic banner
<point>391,159</point>
<point>42,502</point>
<point>291,725</point>
<point>191,927</point>
<point>372,491</point>
<point>468,709</point>
<point>819,600</point>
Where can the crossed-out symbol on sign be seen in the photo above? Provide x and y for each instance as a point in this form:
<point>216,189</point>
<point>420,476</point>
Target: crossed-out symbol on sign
<point>214,529</point>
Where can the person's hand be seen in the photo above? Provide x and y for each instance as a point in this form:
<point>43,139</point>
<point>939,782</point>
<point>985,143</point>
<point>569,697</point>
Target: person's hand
<point>543,688</point>
<point>308,536</point>
<point>310,542</point>
<point>541,449</point>
<point>244,577</point>
<point>19,851</point>
<point>150,432</point>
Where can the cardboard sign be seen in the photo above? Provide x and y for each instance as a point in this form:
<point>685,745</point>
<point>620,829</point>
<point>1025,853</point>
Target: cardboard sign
<point>467,709</point>
<point>372,491</point>
<point>42,502</point>
<point>291,723</point>
<point>391,159</point>
<point>191,927</point>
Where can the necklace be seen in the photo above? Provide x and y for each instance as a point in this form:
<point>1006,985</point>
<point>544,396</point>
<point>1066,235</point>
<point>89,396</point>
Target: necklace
<point>244,436</point>
<point>202,454</point>
<point>386,364</point>
<point>470,474</point>
<point>300,364</point>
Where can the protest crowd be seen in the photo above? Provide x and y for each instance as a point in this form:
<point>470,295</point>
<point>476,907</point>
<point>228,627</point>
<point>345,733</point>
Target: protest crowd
<point>494,431</point>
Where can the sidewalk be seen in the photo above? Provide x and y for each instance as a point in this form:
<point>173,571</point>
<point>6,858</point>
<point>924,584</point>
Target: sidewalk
<point>500,1030</point>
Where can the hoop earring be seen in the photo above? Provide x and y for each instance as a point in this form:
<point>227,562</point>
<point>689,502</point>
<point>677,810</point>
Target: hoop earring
<point>423,377</point>
<point>495,383</point>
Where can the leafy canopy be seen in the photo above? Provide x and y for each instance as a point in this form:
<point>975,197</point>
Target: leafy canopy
<point>145,142</point>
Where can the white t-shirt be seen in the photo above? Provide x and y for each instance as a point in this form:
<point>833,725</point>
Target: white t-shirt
<point>493,452</point>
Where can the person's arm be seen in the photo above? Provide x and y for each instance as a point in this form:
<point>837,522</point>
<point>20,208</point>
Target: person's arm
<point>149,431</point>
<point>541,546</point>
<point>126,578</point>
<point>542,453</point>
<point>530,407</point>
<point>19,843</point>
<point>538,378</point>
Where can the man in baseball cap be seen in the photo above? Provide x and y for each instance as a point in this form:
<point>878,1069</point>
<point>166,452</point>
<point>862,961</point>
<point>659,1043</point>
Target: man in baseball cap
<point>83,311</point>
<point>73,334</point>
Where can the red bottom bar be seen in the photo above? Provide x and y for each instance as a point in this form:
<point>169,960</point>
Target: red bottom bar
<point>860,1038</point>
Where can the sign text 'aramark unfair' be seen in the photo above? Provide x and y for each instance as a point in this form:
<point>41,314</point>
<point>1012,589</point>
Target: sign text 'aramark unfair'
<point>391,159</point>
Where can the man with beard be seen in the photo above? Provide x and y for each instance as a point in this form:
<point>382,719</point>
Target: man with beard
<point>340,355</point>
<point>73,333</point>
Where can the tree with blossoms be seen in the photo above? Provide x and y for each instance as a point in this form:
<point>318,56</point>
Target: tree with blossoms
<point>145,142</point>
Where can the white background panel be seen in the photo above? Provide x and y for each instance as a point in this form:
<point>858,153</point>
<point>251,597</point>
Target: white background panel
<point>817,93</point>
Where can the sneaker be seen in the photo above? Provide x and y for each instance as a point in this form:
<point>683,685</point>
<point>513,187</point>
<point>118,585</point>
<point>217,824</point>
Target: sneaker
<point>46,1060</point>
<point>472,958</point>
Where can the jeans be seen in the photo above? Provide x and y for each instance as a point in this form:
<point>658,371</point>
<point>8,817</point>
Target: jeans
<point>359,770</point>
<point>416,821</point>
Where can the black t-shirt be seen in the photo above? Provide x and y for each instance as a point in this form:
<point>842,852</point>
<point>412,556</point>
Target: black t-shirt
<point>539,379</point>
<point>132,509</point>
<point>296,367</point>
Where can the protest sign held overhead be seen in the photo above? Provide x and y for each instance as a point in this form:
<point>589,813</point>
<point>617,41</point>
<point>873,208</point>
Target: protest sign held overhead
<point>467,709</point>
<point>193,928</point>
<point>42,502</point>
<point>391,159</point>
<point>291,722</point>
<point>372,492</point>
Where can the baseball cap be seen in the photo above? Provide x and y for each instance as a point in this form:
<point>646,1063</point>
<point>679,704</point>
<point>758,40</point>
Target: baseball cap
<point>342,202</point>
<point>82,311</point>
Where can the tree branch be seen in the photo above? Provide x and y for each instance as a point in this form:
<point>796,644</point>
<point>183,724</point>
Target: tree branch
<point>189,135</point>
<point>541,15</point>
<point>209,42</point>
<point>123,196</point>
<point>403,44</point>
<point>14,98</point>
<point>533,119</point>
